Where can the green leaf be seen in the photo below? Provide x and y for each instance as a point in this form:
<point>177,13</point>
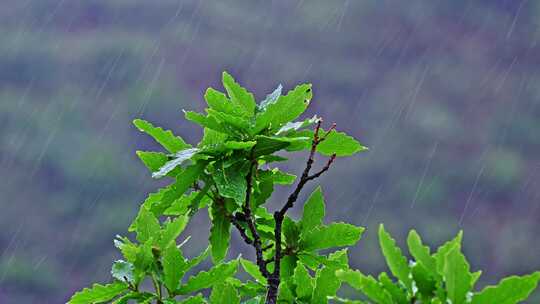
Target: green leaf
<point>220,233</point>
<point>183,182</point>
<point>179,158</point>
<point>140,297</point>
<point>268,145</point>
<point>313,211</point>
<point>510,290</point>
<point>174,267</point>
<point>208,122</point>
<point>198,259</point>
<point>287,108</point>
<point>291,232</point>
<point>282,178</point>
<point>457,277</point>
<point>394,258</point>
<point>398,294</point>
<point>167,139</point>
<point>367,284</point>
<point>326,282</point>
<point>143,260</point>
<point>239,96</point>
<point>271,98</point>
<point>181,205</point>
<point>231,181</point>
<point>442,251</point>
<point>123,271</point>
<point>147,225</point>
<point>207,279</point>
<point>224,293</point>
<point>253,270</point>
<point>285,292</point>
<point>198,299</point>
<point>304,283</point>
<point>212,138</point>
<point>295,126</point>
<point>334,235</point>
<point>218,101</point>
<point>98,293</point>
<point>172,230</point>
<point>421,252</point>
<point>129,249</point>
<point>423,279</point>
<point>235,123</point>
<point>340,144</point>
<point>152,160</point>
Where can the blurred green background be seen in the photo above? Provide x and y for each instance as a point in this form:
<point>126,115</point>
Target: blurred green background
<point>445,94</point>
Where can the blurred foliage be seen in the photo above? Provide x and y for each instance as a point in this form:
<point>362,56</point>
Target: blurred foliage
<point>445,94</point>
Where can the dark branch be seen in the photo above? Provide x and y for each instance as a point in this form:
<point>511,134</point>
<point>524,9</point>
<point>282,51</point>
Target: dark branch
<point>241,230</point>
<point>251,221</point>
<point>274,279</point>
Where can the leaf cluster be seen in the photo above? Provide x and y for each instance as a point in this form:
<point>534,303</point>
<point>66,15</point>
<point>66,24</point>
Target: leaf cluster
<point>438,277</point>
<point>231,174</point>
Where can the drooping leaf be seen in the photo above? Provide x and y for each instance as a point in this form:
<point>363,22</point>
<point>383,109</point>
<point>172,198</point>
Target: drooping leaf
<point>396,261</point>
<point>220,233</point>
<point>98,293</point>
<point>457,277</point>
<point>313,214</point>
<point>239,95</point>
<point>129,249</point>
<point>510,290</point>
<point>340,144</point>
<point>207,279</point>
<point>179,158</point>
<point>174,267</point>
<point>123,271</point>
<point>333,235</point>
<point>167,139</point>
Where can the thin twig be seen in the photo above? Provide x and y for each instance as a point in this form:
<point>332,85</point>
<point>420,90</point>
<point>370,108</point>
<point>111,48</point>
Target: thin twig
<point>274,279</point>
<point>251,221</point>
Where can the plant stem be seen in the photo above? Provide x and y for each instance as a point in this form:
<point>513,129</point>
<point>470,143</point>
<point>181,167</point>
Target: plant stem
<point>274,278</point>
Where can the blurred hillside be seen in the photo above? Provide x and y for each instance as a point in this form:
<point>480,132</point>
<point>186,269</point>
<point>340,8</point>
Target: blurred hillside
<point>445,94</point>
